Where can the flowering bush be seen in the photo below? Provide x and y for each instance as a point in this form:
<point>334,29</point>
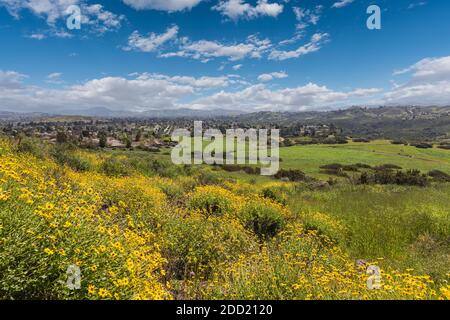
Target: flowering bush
<point>264,217</point>
<point>213,201</point>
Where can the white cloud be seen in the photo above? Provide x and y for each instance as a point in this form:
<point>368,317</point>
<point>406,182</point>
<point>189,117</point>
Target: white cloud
<point>315,44</point>
<point>145,91</point>
<point>236,9</point>
<point>51,10</point>
<point>341,3</point>
<point>197,83</point>
<point>162,5</point>
<point>429,83</point>
<point>417,4</point>
<point>429,69</point>
<point>115,93</point>
<point>237,67</point>
<point>306,17</point>
<point>258,97</point>
<point>140,92</point>
<point>205,50</point>
<point>152,42</point>
<point>265,77</point>
<point>94,17</point>
<point>100,19</point>
<point>37,36</point>
<point>54,78</point>
<point>11,79</point>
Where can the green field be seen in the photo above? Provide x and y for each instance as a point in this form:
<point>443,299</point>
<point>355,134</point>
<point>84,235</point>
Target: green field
<point>310,157</point>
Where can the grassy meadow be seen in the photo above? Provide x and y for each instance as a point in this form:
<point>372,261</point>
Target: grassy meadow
<point>139,227</point>
<point>310,157</point>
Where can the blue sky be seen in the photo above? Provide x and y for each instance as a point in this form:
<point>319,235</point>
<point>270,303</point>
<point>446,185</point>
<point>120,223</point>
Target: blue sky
<point>232,54</point>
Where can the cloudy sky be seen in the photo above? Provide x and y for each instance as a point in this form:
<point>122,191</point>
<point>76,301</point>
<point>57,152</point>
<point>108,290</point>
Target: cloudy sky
<point>230,54</point>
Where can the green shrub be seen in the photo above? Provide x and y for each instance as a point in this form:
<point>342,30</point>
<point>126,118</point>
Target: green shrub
<point>439,175</point>
<point>292,175</point>
<point>31,146</point>
<point>409,177</point>
<point>212,201</point>
<point>115,168</point>
<point>194,246</point>
<point>264,220</point>
<point>275,194</point>
<point>65,155</point>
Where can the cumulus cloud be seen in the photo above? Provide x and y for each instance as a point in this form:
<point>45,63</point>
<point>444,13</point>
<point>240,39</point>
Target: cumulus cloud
<point>258,97</point>
<point>152,41</point>
<point>428,83</point>
<point>341,3</point>
<point>115,93</point>
<point>162,5</point>
<point>138,92</point>
<point>265,77</point>
<point>315,44</point>
<point>146,91</point>
<point>237,9</point>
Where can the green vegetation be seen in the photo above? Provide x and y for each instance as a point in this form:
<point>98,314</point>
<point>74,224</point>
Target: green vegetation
<point>140,227</point>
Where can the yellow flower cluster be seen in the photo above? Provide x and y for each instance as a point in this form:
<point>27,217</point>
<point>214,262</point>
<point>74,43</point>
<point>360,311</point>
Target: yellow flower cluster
<point>305,265</point>
<point>91,221</point>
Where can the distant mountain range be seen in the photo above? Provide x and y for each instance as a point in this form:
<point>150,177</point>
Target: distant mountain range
<point>401,121</point>
<point>101,112</point>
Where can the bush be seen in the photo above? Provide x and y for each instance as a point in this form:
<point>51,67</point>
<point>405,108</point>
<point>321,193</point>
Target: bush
<point>65,155</point>
<point>444,147</point>
<point>115,168</point>
<point>398,142</point>
<point>410,177</point>
<point>207,178</point>
<point>388,166</point>
<point>264,218</point>
<point>212,201</point>
<point>274,194</point>
<point>363,166</point>
<point>423,145</point>
<point>231,167</point>
<point>439,175</point>
<point>194,246</point>
<point>31,146</point>
<point>325,225</point>
<point>292,175</point>
<point>361,140</point>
